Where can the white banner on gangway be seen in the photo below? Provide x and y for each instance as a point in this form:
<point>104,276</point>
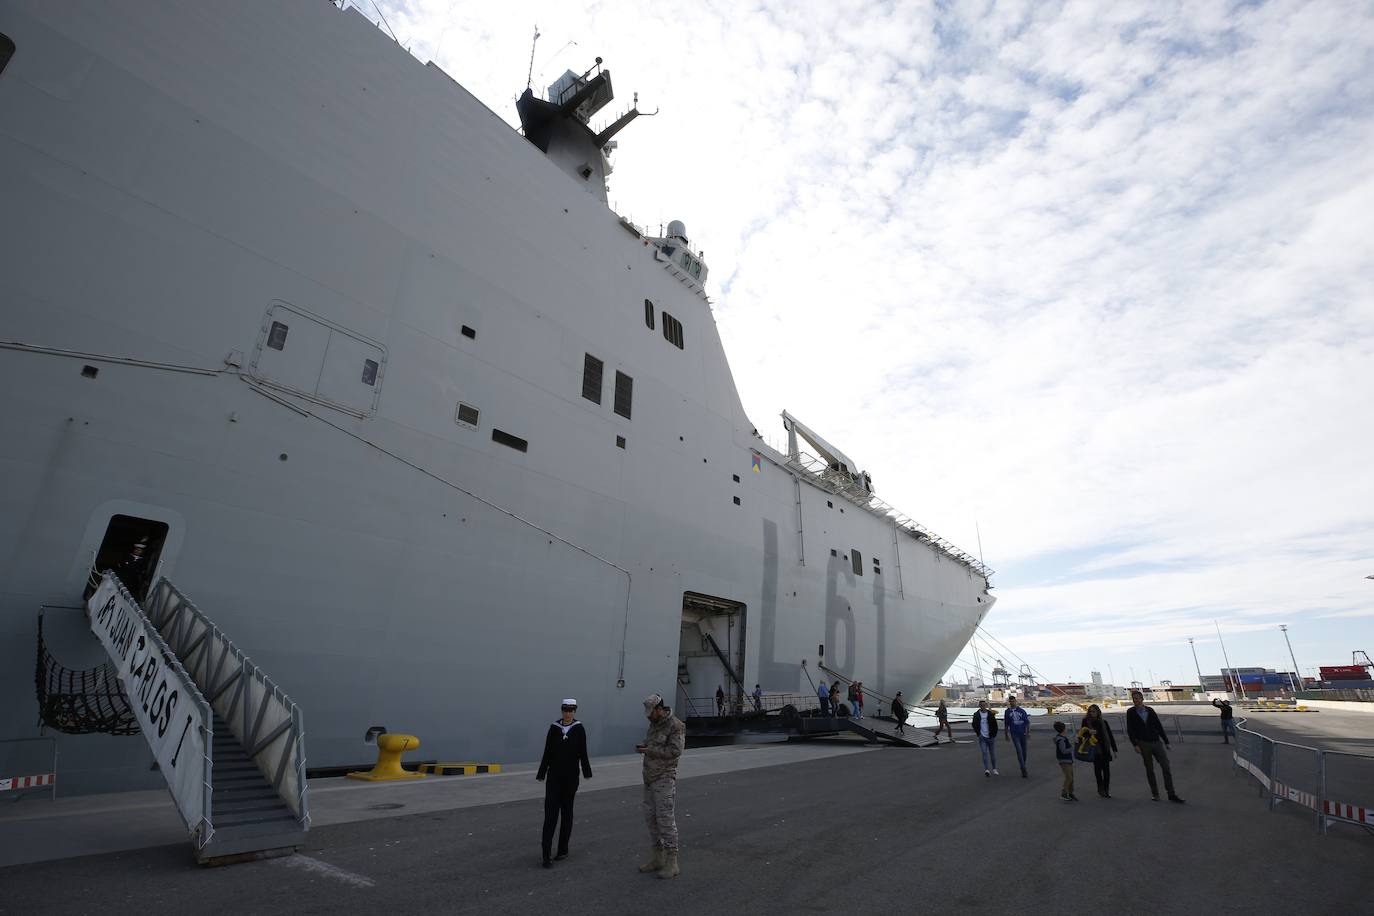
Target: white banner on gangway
<point>162,696</point>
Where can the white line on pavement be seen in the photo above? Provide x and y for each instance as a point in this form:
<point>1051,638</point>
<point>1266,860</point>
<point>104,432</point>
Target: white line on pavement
<point>315,866</point>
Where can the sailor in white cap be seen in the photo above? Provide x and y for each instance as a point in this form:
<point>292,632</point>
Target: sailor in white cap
<point>565,751</point>
<point>662,748</point>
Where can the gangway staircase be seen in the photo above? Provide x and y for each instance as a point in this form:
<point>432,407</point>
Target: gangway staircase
<point>229,742</point>
<point>878,728</point>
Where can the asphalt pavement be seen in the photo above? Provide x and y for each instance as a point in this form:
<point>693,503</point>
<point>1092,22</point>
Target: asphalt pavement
<point>891,829</point>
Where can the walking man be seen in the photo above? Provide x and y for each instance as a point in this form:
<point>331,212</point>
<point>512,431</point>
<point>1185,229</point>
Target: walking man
<point>1150,740</point>
<point>565,750</point>
<point>758,698</point>
<point>942,721</point>
<point>662,748</point>
<point>985,727</point>
<point>823,696</point>
<point>1017,721</point>
<point>899,713</point>
<point>1228,723</point>
<point>720,700</point>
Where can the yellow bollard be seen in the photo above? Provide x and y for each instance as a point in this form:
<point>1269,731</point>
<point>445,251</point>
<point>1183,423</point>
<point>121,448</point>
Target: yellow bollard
<point>388,767</point>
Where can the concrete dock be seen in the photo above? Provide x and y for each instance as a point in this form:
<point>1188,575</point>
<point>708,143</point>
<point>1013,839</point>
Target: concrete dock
<point>816,827</point>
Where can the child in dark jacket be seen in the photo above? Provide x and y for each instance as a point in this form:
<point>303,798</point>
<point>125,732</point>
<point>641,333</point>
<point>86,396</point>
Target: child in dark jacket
<point>1063,752</point>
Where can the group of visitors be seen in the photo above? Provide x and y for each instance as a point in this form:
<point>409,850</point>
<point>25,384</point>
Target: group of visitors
<point>565,761</point>
<point>1093,742</point>
<point>828,698</point>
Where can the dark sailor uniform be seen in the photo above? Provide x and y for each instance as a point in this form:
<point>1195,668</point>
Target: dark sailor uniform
<point>565,752</point>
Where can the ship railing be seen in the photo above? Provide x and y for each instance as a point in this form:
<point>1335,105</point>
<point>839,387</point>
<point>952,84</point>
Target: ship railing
<point>746,705</point>
<point>848,487</point>
<point>267,724</point>
<point>1323,781</point>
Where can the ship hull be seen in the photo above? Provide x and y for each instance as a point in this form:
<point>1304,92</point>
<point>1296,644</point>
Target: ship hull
<point>168,195</point>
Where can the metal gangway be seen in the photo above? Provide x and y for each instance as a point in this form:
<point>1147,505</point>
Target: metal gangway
<point>227,739</point>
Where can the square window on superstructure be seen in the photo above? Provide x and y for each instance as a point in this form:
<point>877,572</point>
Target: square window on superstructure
<point>369,372</point>
<point>624,394</point>
<point>591,378</point>
<point>672,330</point>
<point>276,337</point>
<point>506,439</point>
<point>856,561</point>
<point>466,415</point>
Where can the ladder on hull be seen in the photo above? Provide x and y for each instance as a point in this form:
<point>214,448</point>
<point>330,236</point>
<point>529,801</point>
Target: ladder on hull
<point>228,741</point>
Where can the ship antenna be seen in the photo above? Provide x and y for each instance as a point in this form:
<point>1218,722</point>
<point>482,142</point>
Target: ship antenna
<point>384,22</point>
<point>529,80</point>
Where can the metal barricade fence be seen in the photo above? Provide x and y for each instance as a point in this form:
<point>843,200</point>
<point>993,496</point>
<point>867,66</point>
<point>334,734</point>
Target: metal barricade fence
<point>1327,782</point>
<point>28,766</point>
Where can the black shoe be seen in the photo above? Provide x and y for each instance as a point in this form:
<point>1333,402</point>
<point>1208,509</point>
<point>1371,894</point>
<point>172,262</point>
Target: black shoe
<point>548,863</point>
<point>1106,795</point>
<point>1064,795</point>
<point>1073,797</point>
<point>1023,774</point>
<point>561,856</point>
<point>1154,798</point>
<point>1176,800</point>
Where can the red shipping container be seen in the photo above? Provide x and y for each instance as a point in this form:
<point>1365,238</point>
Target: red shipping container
<point>1345,673</point>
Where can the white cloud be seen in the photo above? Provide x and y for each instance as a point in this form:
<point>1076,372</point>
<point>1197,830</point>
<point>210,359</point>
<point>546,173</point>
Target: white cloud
<point>1101,276</point>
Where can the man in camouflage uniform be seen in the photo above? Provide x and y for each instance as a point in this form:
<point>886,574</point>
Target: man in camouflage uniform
<point>661,749</point>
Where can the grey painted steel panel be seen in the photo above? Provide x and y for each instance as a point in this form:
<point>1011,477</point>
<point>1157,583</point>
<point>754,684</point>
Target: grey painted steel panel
<point>164,186</point>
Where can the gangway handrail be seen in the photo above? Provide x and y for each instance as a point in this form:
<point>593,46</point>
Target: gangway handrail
<point>272,734</point>
<point>199,823</point>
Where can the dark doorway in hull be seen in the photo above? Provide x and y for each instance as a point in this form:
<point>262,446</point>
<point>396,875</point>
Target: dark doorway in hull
<point>131,548</point>
<point>710,656</point>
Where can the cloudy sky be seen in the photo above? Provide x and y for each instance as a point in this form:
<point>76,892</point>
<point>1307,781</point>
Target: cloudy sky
<point>1095,280</point>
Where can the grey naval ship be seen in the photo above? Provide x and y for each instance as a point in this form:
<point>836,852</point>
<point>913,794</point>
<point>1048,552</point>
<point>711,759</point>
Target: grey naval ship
<point>293,322</point>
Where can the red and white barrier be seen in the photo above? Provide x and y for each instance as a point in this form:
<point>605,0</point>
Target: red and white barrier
<point>10,783</point>
<point>1254,770</point>
<point>1349,812</point>
<point>1288,793</point>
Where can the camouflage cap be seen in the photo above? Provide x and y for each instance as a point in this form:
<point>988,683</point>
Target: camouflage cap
<point>651,702</point>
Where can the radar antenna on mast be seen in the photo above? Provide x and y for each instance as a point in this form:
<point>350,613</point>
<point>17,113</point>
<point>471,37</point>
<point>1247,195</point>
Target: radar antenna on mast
<point>529,78</point>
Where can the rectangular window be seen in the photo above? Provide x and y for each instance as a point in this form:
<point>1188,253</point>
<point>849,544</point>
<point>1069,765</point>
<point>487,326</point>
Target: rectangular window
<point>619,441</point>
<point>506,439</point>
<point>467,415</point>
<point>649,314</point>
<point>469,333</point>
<point>369,372</point>
<point>591,379</point>
<point>856,560</point>
<point>276,338</point>
<point>672,330</point>
<point>624,394</point>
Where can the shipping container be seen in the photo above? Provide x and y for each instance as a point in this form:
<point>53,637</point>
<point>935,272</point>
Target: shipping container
<point>1344,673</point>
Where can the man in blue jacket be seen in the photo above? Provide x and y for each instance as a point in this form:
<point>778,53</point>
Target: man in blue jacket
<point>1017,722</point>
<point>1149,740</point>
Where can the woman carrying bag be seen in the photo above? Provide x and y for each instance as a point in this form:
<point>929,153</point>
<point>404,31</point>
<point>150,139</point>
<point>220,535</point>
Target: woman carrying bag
<point>1096,743</point>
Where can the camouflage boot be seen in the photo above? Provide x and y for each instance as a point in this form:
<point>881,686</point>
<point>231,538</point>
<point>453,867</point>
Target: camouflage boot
<point>670,869</point>
<point>655,863</point>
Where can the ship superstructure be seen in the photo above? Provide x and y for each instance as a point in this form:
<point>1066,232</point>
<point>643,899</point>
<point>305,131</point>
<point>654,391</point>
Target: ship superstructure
<point>393,395</point>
